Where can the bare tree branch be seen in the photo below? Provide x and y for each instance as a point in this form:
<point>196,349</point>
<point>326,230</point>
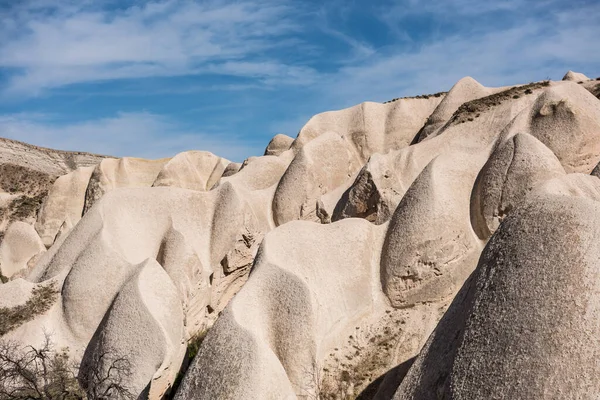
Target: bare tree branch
<point>30,373</point>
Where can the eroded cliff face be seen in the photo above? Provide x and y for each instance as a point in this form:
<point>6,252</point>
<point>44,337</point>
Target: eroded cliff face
<point>322,269</point>
<point>27,173</point>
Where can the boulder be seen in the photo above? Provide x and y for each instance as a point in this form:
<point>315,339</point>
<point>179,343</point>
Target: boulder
<point>566,118</point>
<point>511,173</point>
<point>278,145</point>
<point>431,248</point>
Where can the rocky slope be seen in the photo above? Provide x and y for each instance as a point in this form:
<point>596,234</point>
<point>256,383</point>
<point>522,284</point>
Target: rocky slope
<point>27,173</point>
<point>433,247</point>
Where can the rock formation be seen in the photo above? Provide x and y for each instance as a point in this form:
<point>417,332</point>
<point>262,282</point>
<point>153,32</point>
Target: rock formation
<point>525,325</point>
<point>575,76</point>
<point>442,246</point>
<point>27,173</point>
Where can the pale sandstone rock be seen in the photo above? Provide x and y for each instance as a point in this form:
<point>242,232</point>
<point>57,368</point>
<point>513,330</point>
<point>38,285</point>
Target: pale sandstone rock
<point>494,119</point>
<point>114,173</point>
<point>431,248</point>
<point>372,127</point>
<point>464,90</point>
<point>592,86</point>
<point>188,233</point>
<point>195,170</point>
<point>512,171</point>
<point>278,145</point>
<point>257,182</point>
<point>263,173</point>
<point>48,161</point>
<point>231,169</point>
<point>574,185</point>
<point>319,167</point>
<point>27,173</point>
<point>15,292</point>
<point>63,207</point>
<point>327,295</point>
<point>575,76</point>
<point>370,196</point>
<point>469,131</point>
<point>314,315</point>
<point>365,130</point>
<point>144,324</point>
<point>21,243</point>
<point>566,118</point>
<point>520,316</point>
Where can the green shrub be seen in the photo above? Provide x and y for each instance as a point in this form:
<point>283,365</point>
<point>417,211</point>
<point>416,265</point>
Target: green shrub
<point>194,344</point>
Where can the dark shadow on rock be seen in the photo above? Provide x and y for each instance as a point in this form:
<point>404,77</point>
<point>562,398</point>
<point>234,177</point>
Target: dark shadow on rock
<point>386,385</point>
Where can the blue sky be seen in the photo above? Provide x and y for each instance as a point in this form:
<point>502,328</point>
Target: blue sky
<point>153,78</point>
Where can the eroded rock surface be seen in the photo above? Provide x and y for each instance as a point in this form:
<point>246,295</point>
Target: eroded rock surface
<point>520,316</point>
<point>323,268</point>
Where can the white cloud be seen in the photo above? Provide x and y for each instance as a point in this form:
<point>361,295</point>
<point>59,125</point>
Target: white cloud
<point>126,134</point>
<point>49,47</point>
<point>269,71</point>
<point>455,7</point>
<point>55,46</point>
<point>533,49</point>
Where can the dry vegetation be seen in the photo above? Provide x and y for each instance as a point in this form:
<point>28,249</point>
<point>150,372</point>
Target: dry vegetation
<point>30,373</point>
<point>421,96</point>
<point>29,188</point>
<point>24,207</point>
<point>354,370</point>
<point>473,109</point>
<point>596,90</point>
<point>17,179</point>
<point>42,298</point>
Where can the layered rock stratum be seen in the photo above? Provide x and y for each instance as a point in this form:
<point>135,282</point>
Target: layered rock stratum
<point>435,247</point>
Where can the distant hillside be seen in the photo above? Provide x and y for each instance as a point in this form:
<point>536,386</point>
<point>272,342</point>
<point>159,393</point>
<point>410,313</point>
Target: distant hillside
<point>26,174</point>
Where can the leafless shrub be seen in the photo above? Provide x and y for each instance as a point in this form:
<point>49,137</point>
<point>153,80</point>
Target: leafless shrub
<point>36,373</point>
<point>105,375</point>
<point>30,373</point>
<point>327,386</point>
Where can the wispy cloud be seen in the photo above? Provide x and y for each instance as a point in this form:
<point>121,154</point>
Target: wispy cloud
<point>202,66</point>
<point>53,46</point>
<point>456,7</point>
<point>125,134</point>
<point>528,49</point>
<point>324,19</point>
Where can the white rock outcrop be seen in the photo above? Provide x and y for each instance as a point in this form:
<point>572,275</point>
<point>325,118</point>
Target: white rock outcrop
<point>441,246</point>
